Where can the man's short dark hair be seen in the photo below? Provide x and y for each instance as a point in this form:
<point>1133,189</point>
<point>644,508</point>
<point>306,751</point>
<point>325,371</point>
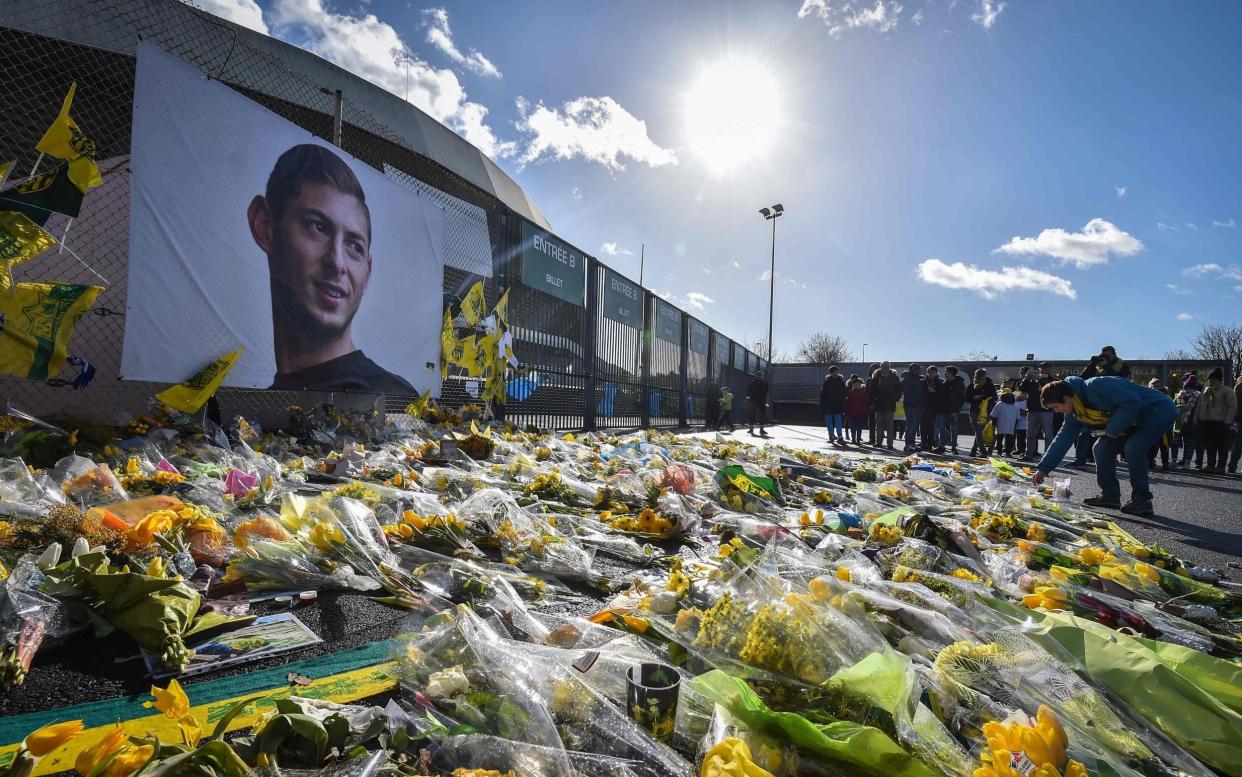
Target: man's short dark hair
<point>1109,349</point>
<point>834,368</point>
<point>1045,364</point>
<point>309,163</point>
<point>1056,391</point>
<point>950,370</point>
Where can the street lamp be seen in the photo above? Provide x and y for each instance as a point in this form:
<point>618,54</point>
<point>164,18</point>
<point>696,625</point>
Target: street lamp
<point>772,214</point>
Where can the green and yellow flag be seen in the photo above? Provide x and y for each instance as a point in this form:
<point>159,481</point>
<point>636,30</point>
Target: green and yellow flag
<point>502,309</point>
<point>189,397</point>
<point>5,169</point>
<point>474,304</point>
<point>45,194</point>
<point>448,343</point>
<point>64,140</point>
<point>20,240</point>
<point>35,325</point>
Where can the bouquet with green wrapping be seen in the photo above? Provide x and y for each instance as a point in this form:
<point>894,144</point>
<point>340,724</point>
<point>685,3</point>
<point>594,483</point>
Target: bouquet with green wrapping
<point>156,610</point>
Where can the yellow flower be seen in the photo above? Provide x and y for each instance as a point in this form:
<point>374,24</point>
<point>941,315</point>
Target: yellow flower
<point>191,731</point>
<point>325,535</point>
<point>43,741</point>
<point>156,567</point>
<point>129,760</point>
<point>1147,572</point>
<point>143,533</point>
<point>962,573</point>
<point>94,755</point>
<point>731,757</point>
<point>1036,531</point>
<point>843,573</point>
<point>171,701</point>
<point>1093,557</point>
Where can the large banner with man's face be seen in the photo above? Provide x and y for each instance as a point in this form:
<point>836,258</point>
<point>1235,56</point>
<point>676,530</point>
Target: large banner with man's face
<point>247,231</point>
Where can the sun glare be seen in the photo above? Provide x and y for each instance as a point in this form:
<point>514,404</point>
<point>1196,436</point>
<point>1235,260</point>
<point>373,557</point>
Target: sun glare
<point>732,114</point>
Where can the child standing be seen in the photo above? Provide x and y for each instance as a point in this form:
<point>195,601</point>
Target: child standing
<point>1006,414</point>
<point>857,405</point>
<point>726,409</point>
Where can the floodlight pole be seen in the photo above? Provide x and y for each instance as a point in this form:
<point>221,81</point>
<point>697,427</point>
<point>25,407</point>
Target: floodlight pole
<point>772,214</point>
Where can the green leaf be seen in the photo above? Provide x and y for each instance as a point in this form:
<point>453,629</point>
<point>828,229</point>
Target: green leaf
<point>338,731</point>
<point>229,716</point>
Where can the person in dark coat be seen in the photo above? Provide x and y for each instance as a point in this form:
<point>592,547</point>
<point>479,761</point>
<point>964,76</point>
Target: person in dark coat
<point>952,397</point>
<point>869,386</point>
<point>832,404</point>
<point>757,399</point>
<point>981,394</point>
<point>857,407</point>
<point>884,392</point>
<point>914,395</point>
<point>933,411</point>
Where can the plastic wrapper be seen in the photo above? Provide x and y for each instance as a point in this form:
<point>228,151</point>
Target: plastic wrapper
<point>86,483</point>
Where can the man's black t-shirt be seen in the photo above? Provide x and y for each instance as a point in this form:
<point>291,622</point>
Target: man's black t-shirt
<point>351,372</point>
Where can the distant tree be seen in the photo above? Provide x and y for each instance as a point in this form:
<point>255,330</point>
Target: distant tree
<point>978,356</point>
<point>1222,342</point>
<point>823,348</point>
<point>760,349</point>
<point>1179,355</point>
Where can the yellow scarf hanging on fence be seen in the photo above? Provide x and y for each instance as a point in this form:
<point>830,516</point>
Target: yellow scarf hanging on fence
<point>1089,415</point>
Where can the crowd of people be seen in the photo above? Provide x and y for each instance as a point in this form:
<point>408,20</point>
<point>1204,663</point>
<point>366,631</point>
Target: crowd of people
<point>1100,413</point>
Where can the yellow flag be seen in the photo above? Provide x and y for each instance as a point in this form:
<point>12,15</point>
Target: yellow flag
<point>84,173</point>
<point>474,304</point>
<point>189,397</point>
<point>63,139</point>
<point>36,322</point>
<point>502,309</point>
<point>20,239</point>
<point>448,342</point>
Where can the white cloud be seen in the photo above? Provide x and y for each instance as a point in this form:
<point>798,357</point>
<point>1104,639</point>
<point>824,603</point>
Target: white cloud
<point>247,13</point>
<point>735,264</point>
<point>1200,270</point>
<point>1230,224</point>
<point>576,193</point>
<point>372,49</point>
<point>692,299</point>
<point>785,279</point>
<point>1173,287</point>
<point>440,36</point>
<point>1192,227</point>
<point>612,249</point>
<point>1230,273</point>
<point>1121,191</point>
<point>1092,246</point>
<point>1165,227</point>
<point>990,284</point>
<point>845,15</point>
<point>917,19</point>
<point>596,129</point>
<point>985,17</point>
<point>697,300</point>
<point>1184,317</point>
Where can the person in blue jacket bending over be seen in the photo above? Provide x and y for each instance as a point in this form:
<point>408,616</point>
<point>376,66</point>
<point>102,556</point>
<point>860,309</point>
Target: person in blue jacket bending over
<point>1121,416</point>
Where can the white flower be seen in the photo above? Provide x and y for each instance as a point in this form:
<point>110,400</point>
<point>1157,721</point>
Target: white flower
<point>80,546</point>
<point>450,682</point>
<point>50,557</point>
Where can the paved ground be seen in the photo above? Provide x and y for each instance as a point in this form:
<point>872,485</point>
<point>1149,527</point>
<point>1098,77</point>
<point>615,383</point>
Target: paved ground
<point>1198,516</point>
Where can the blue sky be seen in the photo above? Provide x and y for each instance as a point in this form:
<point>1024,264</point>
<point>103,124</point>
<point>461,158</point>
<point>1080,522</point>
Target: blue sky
<point>974,175</point>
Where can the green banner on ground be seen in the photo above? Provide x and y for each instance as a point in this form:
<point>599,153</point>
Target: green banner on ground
<point>552,266</point>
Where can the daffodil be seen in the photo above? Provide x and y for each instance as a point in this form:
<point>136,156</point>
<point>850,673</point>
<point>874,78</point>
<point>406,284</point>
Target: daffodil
<point>143,533</point>
<point>156,567</point>
<point>172,701</point>
<point>97,753</point>
<point>326,536</point>
<point>731,757</point>
<point>43,741</point>
<point>128,761</point>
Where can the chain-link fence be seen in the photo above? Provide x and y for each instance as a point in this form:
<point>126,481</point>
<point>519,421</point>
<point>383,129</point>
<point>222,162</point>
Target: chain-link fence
<point>580,367</point>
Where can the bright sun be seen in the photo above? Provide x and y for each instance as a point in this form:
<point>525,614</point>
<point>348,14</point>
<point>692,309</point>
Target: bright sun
<point>732,114</point>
